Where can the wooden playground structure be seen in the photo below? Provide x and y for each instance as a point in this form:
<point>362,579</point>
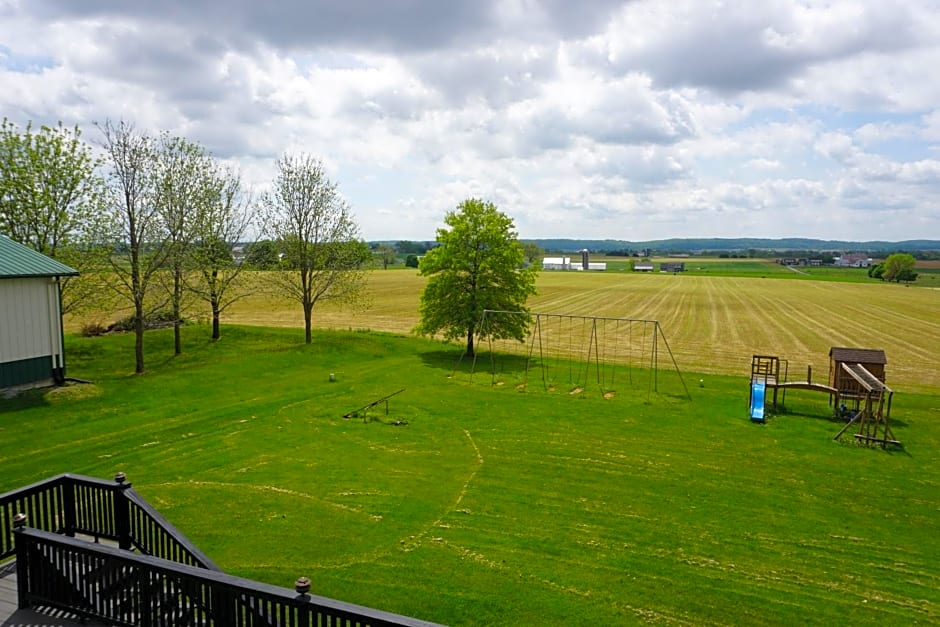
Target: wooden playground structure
<point>856,376</point>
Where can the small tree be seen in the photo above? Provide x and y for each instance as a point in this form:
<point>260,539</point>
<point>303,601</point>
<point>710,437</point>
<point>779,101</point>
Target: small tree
<point>411,261</point>
<point>52,200</point>
<point>262,255</point>
<point>899,267</point>
<point>477,266</point>
<point>185,187</point>
<point>312,223</point>
<point>533,252</point>
<point>385,254</point>
<point>142,239</point>
<point>225,221</point>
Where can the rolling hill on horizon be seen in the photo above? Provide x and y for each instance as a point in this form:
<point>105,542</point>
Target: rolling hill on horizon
<point>692,245</point>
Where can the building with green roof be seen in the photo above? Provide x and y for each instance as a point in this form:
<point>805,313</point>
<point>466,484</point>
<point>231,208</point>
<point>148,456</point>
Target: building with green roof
<point>31,337</point>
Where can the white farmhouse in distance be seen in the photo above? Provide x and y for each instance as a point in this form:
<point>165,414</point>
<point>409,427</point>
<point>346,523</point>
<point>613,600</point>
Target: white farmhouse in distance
<point>853,260</point>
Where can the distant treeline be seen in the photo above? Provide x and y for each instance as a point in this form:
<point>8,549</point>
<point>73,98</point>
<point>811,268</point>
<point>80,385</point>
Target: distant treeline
<point>710,247</point>
<point>743,247</point>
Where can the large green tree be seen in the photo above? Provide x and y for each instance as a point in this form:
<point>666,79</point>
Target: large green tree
<point>51,199</point>
<point>899,267</point>
<point>478,265</point>
<point>324,257</point>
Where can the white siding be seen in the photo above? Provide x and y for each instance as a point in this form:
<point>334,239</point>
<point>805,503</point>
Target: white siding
<point>28,325</point>
<point>556,263</point>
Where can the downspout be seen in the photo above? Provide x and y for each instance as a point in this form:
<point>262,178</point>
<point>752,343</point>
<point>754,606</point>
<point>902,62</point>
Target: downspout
<point>58,356</point>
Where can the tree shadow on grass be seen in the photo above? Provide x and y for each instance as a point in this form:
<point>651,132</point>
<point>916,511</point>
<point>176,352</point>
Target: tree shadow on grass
<point>455,361</point>
<point>449,360</point>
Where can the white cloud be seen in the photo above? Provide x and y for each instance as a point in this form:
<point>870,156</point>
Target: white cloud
<point>637,119</point>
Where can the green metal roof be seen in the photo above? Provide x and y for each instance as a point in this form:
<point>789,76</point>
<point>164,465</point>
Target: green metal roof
<point>18,261</point>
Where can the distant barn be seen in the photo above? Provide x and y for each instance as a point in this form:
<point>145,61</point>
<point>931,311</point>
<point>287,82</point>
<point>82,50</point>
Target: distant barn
<point>854,260</point>
<point>556,263</point>
<point>31,351</point>
<point>565,263</point>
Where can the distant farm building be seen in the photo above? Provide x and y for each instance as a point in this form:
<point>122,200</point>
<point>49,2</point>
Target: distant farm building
<point>564,263</point>
<point>643,266</point>
<point>586,262</point>
<point>672,266</point>
<point>556,263</point>
<point>854,260</point>
<point>31,351</point>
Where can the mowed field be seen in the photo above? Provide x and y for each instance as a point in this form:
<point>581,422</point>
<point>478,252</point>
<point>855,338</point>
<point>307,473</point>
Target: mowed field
<point>713,324</point>
<point>479,504</point>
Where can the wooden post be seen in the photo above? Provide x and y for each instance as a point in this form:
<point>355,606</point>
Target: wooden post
<point>22,562</point>
<point>147,600</point>
<point>68,505</point>
<point>809,374</point>
<point>122,512</point>
<point>224,606</point>
<point>302,586</point>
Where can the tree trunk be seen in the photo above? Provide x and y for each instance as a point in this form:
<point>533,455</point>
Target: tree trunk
<point>214,301</point>
<point>137,292</point>
<point>469,352</point>
<point>216,334</point>
<point>177,297</point>
<point>139,338</point>
<point>308,314</point>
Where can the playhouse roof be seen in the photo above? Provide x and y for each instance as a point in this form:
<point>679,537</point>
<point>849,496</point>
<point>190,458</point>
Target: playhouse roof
<point>18,261</point>
<point>858,355</point>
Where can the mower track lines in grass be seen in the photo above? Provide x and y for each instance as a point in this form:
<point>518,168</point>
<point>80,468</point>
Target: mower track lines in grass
<point>413,542</point>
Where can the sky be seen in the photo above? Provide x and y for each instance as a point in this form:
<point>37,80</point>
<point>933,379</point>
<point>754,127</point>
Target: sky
<point>602,119</point>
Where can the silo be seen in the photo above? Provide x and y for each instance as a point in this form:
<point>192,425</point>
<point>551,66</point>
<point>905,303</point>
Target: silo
<point>585,261</point>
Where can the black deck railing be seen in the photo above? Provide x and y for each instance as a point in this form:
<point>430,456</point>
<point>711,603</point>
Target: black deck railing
<point>154,576</point>
<point>112,510</point>
<point>123,588</point>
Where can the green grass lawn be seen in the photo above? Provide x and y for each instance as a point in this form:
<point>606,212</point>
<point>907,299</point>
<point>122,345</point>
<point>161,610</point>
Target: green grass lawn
<point>498,504</point>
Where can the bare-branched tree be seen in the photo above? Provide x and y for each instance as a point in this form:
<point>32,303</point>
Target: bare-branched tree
<point>323,255</point>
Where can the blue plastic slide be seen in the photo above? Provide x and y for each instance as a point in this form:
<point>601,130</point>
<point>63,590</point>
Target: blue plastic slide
<point>757,401</point>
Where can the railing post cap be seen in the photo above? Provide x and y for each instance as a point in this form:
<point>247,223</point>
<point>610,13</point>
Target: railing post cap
<point>19,520</point>
<point>302,585</point>
<point>120,477</point>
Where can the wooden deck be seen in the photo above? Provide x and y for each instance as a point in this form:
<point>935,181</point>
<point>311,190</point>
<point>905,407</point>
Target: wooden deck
<point>11,616</point>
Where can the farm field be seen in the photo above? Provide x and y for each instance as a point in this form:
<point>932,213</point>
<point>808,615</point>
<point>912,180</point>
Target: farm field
<point>928,271</point>
<point>713,324</point>
<point>493,506</point>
